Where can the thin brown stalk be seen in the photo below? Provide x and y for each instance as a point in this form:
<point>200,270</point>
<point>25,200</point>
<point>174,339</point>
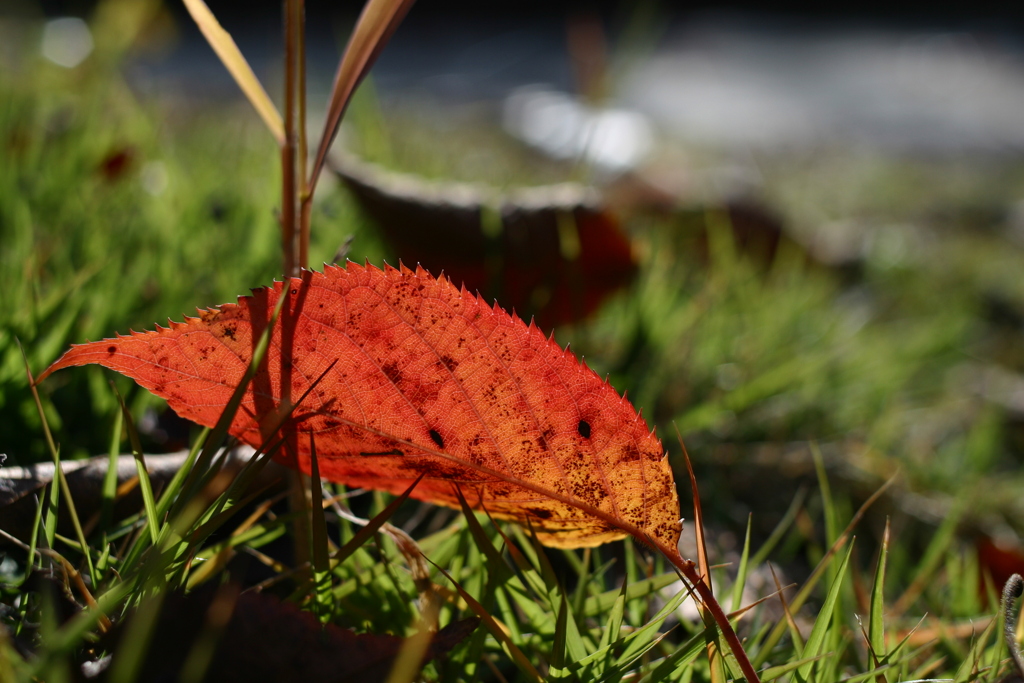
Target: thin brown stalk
<point>742,611</point>
<point>376,24</point>
<point>303,144</point>
<point>793,629</point>
<point>288,194</point>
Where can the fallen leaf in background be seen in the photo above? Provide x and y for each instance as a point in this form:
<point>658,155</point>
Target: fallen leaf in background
<point>264,639</point>
<point>555,253</point>
<point>422,379</point>
<point>998,561</point>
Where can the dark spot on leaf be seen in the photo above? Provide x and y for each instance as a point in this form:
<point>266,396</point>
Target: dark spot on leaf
<point>111,349</point>
<point>450,362</point>
<point>437,438</point>
<point>295,291</point>
<point>392,372</point>
<point>391,452</point>
<point>630,453</point>
<point>541,512</point>
<point>584,429</point>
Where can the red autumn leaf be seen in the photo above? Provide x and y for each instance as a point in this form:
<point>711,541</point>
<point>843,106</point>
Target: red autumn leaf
<point>427,380</point>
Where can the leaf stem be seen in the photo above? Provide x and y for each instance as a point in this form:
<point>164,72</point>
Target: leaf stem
<point>689,572</point>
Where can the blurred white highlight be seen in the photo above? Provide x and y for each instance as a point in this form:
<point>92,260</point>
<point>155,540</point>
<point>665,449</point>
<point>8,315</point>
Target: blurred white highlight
<point>154,178</point>
<point>67,41</point>
<point>559,125</point>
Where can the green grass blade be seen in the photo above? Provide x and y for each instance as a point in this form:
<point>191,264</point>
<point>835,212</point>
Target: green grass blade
<point>511,649</point>
<point>583,583</point>
<point>827,503</point>
<point>575,643</point>
<point>613,625</point>
<point>367,532</point>
<point>640,641</point>
<point>773,672</point>
<point>610,634</point>
<point>52,506</point>
<point>969,669</point>
<point>58,474</point>
<point>598,604</point>
<point>170,493</point>
<point>677,664</point>
<point>33,537</point>
<point>508,615</point>
<point>523,586</point>
<point>823,622</point>
<point>559,652</point>
<point>110,477</point>
<point>226,505</point>
<point>79,533</point>
<point>145,485</point>
<point>556,596</point>
<point>323,601</point>
<point>529,585</point>
<point>635,607</point>
<point>253,537</point>
<point>876,623</point>
<point>496,563</point>
<point>741,574</point>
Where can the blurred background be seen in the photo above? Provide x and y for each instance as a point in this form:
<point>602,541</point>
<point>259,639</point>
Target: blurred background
<point>790,229</point>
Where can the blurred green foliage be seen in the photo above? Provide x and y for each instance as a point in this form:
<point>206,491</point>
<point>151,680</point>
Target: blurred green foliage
<point>118,212</point>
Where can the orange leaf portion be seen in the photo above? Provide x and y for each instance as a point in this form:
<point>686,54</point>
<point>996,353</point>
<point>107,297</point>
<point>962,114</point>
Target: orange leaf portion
<point>428,380</point>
